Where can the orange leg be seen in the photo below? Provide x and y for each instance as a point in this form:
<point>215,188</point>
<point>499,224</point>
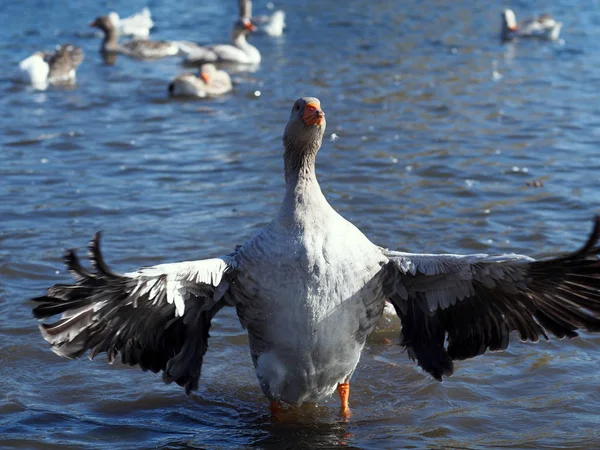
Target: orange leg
<point>275,407</point>
<point>344,391</point>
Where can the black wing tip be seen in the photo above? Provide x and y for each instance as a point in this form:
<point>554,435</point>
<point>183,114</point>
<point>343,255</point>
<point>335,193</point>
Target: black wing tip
<point>39,312</point>
<point>94,244</point>
<point>591,245</point>
<point>96,258</point>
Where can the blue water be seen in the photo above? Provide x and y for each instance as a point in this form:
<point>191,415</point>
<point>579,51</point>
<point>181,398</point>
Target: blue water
<point>440,129</point>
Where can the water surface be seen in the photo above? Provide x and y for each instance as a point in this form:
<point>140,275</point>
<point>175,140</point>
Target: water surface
<point>440,129</point>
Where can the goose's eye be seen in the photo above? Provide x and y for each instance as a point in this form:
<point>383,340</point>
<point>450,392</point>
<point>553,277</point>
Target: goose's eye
<point>296,106</point>
<point>311,108</point>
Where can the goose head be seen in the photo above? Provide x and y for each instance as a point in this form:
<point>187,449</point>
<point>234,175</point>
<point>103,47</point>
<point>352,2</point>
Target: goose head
<point>105,24</point>
<point>242,27</point>
<point>304,131</point>
<point>509,24</point>
<point>207,72</point>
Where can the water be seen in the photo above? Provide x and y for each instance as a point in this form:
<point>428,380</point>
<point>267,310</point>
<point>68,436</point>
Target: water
<point>440,129</point>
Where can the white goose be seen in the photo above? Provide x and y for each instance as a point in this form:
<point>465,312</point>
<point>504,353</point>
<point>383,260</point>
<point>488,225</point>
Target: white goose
<point>210,82</point>
<point>58,67</point>
<point>239,52</point>
<point>271,25</point>
<point>543,27</point>
<point>137,25</point>
<point>309,287</point>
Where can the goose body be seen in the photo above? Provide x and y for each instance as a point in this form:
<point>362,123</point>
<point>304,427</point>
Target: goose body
<point>57,67</point>
<point>139,49</point>
<point>309,287</point>
<point>271,25</point>
<point>239,52</point>
<point>306,334</point>
<point>210,82</point>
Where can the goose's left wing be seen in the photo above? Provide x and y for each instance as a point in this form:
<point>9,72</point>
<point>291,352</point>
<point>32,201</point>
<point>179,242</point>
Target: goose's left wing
<point>157,317</point>
<point>455,307</point>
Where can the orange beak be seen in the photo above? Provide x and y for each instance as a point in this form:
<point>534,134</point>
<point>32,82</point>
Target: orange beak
<point>513,28</point>
<point>313,114</point>
<point>248,25</point>
<point>205,77</point>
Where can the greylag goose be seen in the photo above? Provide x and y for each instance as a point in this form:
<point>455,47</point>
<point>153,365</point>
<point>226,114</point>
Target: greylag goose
<point>210,82</point>
<point>58,67</point>
<point>543,27</point>
<point>137,25</point>
<point>141,49</point>
<point>309,287</point>
<point>240,52</point>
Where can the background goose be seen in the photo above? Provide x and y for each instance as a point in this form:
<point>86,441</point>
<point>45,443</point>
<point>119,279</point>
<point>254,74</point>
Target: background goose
<point>57,67</point>
<point>141,49</point>
<point>210,82</point>
<point>239,52</point>
<point>271,25</point>
<point>309,287</point>
<point>137,25</point>
<point>542,27</point>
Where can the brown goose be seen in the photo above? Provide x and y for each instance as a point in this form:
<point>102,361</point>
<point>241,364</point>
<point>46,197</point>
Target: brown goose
<point>309,287</point>
<point>141,49</point>
<point>210,82</point>
<point>57,67</point>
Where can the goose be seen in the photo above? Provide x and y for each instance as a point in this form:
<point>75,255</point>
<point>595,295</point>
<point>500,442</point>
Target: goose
<point>58,67</point>
<point>140,49</point>
<point>271,25</point>
<point>210,82</point>
<point>240,52</point>
<point>137,25</point>
<point>309,287</point>
<point>543,27</point>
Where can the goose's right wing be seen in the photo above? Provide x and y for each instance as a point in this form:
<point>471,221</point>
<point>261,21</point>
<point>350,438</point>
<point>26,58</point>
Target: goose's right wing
<point>157,317</point>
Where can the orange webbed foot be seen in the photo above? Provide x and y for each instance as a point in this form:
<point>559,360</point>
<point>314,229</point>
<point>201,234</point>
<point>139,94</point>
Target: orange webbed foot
<point>344,392</point>
<point>275,407</point>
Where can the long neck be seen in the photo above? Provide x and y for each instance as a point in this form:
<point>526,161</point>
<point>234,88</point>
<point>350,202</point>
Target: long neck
<point>302,191</point>
<point>240,41</point>
<point>110,41</point>
<point>299,163</point>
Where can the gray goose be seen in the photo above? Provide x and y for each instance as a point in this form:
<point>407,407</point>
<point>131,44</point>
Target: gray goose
<point>140,49</point>
<point>309,287</point>
<point>57,67</point>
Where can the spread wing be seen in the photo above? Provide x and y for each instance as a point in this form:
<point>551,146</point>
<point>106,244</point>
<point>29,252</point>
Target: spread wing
<point>157,317</point>
<point>455,307</point>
